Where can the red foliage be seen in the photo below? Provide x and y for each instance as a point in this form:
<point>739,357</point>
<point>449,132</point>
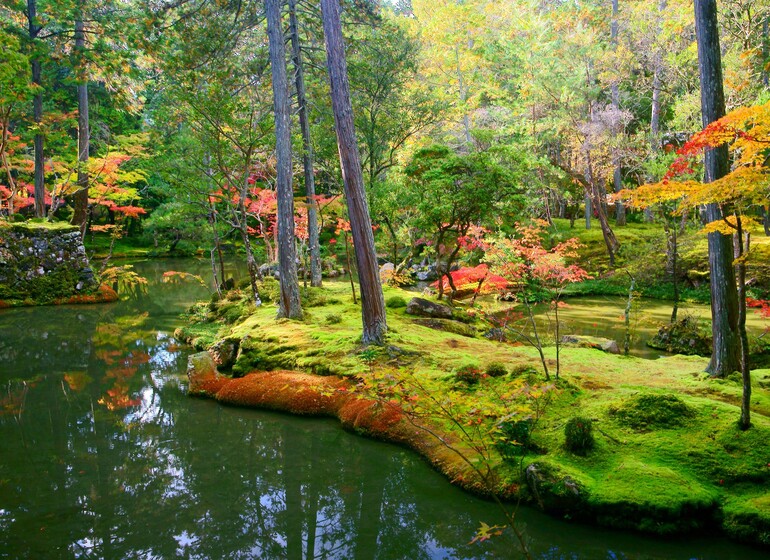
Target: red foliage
<point>477,278</point>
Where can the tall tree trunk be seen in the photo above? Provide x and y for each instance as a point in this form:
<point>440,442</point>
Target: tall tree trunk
<point>307,147</point>
<point>37,112</point>
<point>740,251</point>
<point>80,199</point>
<point>617,179</point>
<point>725,358</point>
<point>289,305</point>
<point>657,83</point>
<point>765,76</point>
<point>372,300</point>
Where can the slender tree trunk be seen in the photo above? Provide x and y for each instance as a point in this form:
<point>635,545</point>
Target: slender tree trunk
<point>307,153</point>
<point>673,245</point>
<point>657,84</point>
<point>610,241</point>
<point>37,112</point>
<point>766,220</point>
<point>617,179</point>
<point>80,199</point>
<point>372,300</point>
<point>289,305</point>
<point>765,51</point>
<point>588,208</point>
<point>725,358</point>
<point>740,250</point>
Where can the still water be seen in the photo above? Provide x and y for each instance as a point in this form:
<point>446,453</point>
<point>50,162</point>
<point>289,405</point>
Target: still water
<point>102,455</point>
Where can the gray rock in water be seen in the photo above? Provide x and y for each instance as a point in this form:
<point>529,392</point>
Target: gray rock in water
<point>596,342</point>
<point>425,308</point>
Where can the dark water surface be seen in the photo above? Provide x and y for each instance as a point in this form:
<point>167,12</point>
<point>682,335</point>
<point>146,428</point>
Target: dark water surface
<point>102,455</point>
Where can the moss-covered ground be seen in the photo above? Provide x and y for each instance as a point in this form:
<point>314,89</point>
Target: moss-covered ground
<point>668,456</point>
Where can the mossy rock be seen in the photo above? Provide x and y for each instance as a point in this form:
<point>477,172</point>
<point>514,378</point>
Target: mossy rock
<point>652,410</point>
<point>685,336</point>
<point>556,490</point>
<point>447,325</point>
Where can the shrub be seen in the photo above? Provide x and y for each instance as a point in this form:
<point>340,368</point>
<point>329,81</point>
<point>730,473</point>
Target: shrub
<point>578,435</point>
<point>395,302</point>
<point>515,437</point>
<point>468,373</point>
<point>333,318</point>
<point>496,369</point>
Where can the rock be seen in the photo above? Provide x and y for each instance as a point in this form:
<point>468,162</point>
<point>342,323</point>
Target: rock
<point>224,352</point>
<point>682,337</point>
<point>447,325</point>
<point>426,275</point>
<point>496,334</point>
<point>200,369</point>
<point>553,491</point>
<point>425,308</point>
<point>388,268</point>
<point>596,342</point>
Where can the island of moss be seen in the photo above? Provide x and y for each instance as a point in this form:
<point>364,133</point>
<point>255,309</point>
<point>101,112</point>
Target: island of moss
<point>666,455</point>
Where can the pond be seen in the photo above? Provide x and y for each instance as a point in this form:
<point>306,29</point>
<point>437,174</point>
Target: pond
<point>102,455</point>
<point>603,316</point>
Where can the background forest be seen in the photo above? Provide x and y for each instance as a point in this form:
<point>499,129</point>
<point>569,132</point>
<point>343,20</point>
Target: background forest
<point>155,121</point>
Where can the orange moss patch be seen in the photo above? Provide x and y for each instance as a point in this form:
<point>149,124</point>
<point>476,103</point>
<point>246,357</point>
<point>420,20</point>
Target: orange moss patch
<point>306,394</point>
<point>104,294</point>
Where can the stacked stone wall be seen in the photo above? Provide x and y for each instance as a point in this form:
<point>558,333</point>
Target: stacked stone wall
<point>41,263</point>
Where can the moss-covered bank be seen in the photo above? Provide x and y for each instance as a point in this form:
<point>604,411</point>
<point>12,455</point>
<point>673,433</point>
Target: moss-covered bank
<point>667,458</point>
<point>45,263</point>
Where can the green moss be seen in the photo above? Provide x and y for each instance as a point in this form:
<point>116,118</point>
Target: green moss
<point>667,449</point>
<point>652,411</point>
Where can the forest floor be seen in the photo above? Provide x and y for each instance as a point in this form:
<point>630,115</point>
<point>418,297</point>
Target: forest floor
<point>667,455</point>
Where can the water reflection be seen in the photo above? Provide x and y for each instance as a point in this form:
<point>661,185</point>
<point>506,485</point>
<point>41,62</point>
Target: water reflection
<point>103,456</point>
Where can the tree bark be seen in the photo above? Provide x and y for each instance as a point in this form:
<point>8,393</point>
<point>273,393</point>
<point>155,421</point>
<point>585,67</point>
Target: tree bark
<point>37,113</point>
<point>725,358</point>
<point>307,147</point>
<point>617,179</point>
<point>289,305</point>
<point>372,300</point>
<point>80,199</point>
<point>740,251</point>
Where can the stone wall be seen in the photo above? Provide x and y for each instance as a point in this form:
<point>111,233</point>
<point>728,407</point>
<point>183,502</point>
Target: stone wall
<point>43,263</point>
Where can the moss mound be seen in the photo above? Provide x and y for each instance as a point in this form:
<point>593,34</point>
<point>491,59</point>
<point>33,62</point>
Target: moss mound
<point>649,411</point>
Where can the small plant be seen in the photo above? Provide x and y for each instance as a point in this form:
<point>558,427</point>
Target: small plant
<point>496,369</point>
<point>578,435</point>
<point>469,374</point>
<point>395,302</point>
<point>514,437</point>
<point>333,318</point>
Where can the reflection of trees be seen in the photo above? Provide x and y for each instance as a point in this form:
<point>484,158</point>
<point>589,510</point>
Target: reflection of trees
<point>110,459</point>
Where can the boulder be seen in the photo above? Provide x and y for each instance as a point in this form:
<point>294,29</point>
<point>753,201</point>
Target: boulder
<point>425,308</point>
<point>604,344</point>
<point>224,352</point>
